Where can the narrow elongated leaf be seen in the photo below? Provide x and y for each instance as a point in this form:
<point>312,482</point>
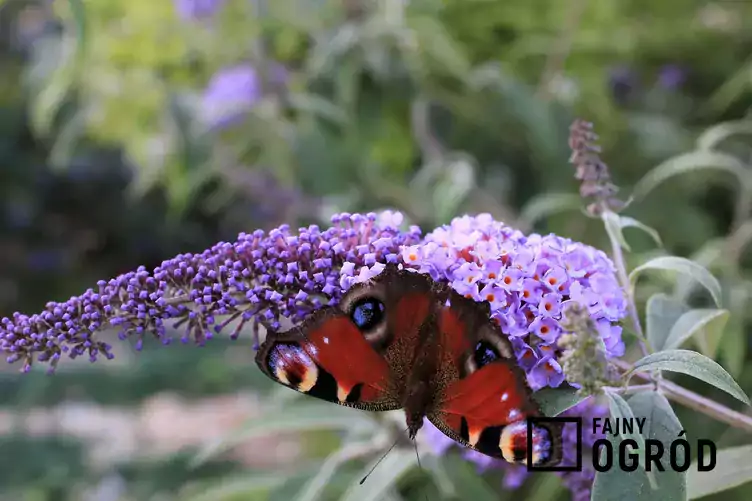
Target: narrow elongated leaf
<point>733,468</point>
<point>660,424</point>
<point>290,419</point>
<point>707,256</point>
<point>466,482</point>
<point>383,478</point>
<point>247,485</point>
<point>693,364</point>
<point>661,313</point>
<point>620,410</point>
<point>615,225</point>
<point>688,162</point>
<point>613,228</point>
<point>313,490</point>
<point>628,222</point>
<point>554,401</point>
<point>684,266</point>
<point>719,133</point>
<point>707,324</point>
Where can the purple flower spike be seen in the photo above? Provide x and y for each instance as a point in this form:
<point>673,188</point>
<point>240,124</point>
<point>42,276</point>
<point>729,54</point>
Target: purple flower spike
<point>258,279</point>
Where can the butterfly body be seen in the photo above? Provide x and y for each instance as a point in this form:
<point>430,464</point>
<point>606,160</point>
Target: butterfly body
<point>404,341</point>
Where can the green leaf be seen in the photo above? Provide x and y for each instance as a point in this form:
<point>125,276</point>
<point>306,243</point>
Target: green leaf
<point>315,487</point>
<point>435,43</point>
<point>628,222</point>
<point>708,324</point>
<point>317,106</point>
<point>688,162</point>
<point>554,401</point>
<point>466,481</point>
<point>684,266</point>
<point>615,224</point>
<point>65,66</point>
<point>661,313</point>
<point>660,424</point>
<point>708,255</point>
<point>383,478</point>
<point>620,410</point>
<point>247,485</point>
<point>78,11</point>
<point>693,364</point>
<point>546,488</point>
<point>455,177</point>
<point>613,228</point>
<point>715,135</point>
<point>297,417</point>
<point>546,204</point>
<point>733,468</point>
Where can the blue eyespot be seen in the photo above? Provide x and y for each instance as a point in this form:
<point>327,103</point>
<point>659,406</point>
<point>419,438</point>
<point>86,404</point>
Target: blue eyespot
<point>367,313</point>
<point>484,354</point>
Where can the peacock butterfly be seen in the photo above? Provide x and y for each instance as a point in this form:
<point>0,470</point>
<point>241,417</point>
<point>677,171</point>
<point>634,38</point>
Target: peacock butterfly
<point>404,341</point>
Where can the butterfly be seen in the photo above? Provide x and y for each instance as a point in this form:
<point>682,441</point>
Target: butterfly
<point>404,341</point>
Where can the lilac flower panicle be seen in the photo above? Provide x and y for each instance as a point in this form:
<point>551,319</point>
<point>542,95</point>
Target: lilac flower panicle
<point>260,278</point>
<point>527,280</point>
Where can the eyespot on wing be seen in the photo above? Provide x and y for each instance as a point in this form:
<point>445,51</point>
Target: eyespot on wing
<point>292,366</point>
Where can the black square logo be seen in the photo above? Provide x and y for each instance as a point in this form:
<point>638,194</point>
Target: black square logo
<point>553,423</point>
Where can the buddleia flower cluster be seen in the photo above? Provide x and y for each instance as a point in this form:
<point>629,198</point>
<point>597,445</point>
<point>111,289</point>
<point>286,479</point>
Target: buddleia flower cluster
<point>270,279</point>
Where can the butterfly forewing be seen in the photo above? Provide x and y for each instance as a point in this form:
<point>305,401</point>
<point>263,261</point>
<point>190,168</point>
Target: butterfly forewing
<point>327,357</point>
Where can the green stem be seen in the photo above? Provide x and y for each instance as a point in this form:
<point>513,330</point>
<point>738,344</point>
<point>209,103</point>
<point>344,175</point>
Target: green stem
<point>621,272</point>
<point>695,401</point>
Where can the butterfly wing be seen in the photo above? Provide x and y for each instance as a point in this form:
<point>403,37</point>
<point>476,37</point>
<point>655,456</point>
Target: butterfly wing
<point>486,401</point>
<point>327,357</point>
<point>343,355</point>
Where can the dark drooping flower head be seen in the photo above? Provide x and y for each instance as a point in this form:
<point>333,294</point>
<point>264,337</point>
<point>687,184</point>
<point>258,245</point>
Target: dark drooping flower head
<point>279,277</point>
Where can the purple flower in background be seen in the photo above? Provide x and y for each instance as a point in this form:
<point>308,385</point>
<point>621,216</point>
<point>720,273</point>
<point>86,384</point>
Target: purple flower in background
<point>672,76</point>
<point>191,10</point>
<point>231,92</point>
<point>622,81</point>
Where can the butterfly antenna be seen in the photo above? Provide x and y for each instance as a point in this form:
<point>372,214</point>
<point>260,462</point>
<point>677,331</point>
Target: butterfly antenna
<point>379,461</point>
<point>415,446</point>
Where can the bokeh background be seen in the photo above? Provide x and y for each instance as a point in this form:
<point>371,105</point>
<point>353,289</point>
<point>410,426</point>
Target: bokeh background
<point>131,131</point>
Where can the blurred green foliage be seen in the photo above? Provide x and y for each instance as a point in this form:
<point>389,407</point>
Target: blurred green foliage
<point>433,107</point>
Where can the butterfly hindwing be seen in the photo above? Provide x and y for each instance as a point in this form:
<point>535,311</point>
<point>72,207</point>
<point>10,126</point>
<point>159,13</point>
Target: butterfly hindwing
<point>486,400</point>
